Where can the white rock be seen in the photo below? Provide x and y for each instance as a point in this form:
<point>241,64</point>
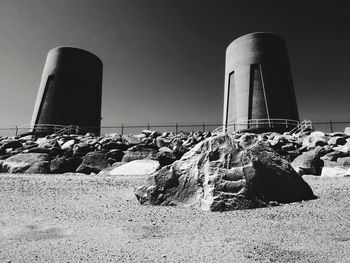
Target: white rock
<point>137,167</point>
<point>335,172</point>
<point>68,145</point>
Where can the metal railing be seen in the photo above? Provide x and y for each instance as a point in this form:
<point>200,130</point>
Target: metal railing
<point>38,128</point>
<point>304,125</point>
<point>325,125</point>
<point>256,124</point>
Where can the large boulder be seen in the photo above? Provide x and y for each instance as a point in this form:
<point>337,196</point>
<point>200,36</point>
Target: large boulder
<point>26,163</point>
<point>309,162</point>
<point>225,173</point>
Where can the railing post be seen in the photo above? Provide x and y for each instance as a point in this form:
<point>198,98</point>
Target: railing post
<point>147,126</point>
<point>122,129</point>
<point>176,128</point>
<point>331,125</point>
<point>16,130</point>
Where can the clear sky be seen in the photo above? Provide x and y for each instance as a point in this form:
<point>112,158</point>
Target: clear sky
<point>164,59</point>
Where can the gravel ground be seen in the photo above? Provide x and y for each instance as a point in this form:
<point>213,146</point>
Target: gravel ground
<point>85,218</point>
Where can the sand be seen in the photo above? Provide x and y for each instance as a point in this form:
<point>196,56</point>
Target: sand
<point>86,218</point>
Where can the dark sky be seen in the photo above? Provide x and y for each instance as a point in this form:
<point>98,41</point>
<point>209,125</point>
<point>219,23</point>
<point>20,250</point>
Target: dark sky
<point>164,59</point>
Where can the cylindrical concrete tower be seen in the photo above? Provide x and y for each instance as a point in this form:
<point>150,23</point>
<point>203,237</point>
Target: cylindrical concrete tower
<point>70,90</point>
<point>258,85</point>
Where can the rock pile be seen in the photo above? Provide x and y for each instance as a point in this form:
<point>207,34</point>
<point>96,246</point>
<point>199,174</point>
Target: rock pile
<point>307,153</point>
<point>226,172</point>
<point>92,154</point>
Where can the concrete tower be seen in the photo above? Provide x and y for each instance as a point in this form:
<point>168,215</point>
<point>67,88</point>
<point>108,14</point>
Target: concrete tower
<point>259,90</point>
<point>70,90</point>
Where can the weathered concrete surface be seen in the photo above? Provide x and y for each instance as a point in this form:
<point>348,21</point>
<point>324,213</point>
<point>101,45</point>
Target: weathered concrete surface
<point>70,90</point>
<point>258,81</point>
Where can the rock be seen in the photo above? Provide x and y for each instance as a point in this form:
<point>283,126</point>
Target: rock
<point>309,162</point>
<point>140,152</point>
<point>26,163</point>
<point>333,156</point>
<point>39,150</point>
<point>337,140</point>
<point>314,139</point>
<point>116,154</point>
<point>224,173</point>
<point>47,143</point>
<point>10,143</point>
<point>60,165</point>
<point>179,151</point>
<point>114,146</point>
<point>81,149</point>
<point>343,148</point>
<point>335,172</point>
<point>93,162</point>
<point>162,142</point>
<point>130,140</point>
<point>137,167</point>
<point>68,145</point>
<point>347,130</point>
<point>344,161</point>
<point>147,132</point>
<point>166,156</point>
<point>73,163</point>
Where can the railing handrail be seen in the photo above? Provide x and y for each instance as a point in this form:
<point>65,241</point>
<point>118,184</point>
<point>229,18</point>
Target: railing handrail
<point>257,122</point>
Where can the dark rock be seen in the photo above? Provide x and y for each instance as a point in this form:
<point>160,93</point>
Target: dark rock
<point>81,149</point>
<point>337,140</point>
<point>140,152</point>
<point>93,162</point>
<point>309,162</point>
<point>115,154</point>
<point>179,151</point>
<point>114,145</point>
<point>73,163</point>
<point>333,156</point>
<point>166,156</point>
<point>26,163</point>
<point>39,150</point>
<point>10,143</point>
<point>221,173</point>
<point>59,165</point>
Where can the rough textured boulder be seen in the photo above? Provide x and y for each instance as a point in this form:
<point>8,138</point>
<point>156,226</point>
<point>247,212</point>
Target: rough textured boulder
<point>226,172</point>
<point>309,162</point>
<point>26,163</point>
<point>93,162</point>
